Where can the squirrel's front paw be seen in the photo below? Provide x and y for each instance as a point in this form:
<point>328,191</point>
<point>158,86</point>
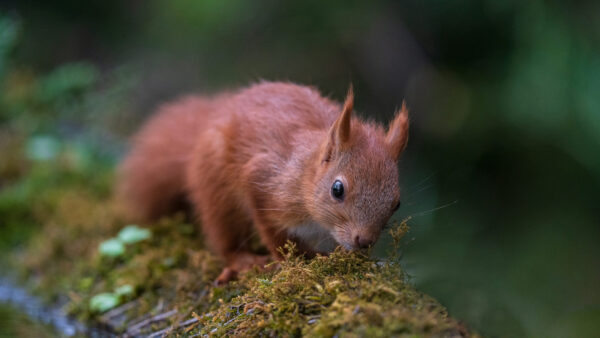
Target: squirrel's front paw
<point>240,264</point>
<point>226,276</point>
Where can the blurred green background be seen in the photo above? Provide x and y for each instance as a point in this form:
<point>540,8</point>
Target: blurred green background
<point>502,172</point>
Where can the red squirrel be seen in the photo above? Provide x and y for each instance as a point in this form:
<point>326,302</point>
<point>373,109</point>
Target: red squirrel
<point>275,158</point>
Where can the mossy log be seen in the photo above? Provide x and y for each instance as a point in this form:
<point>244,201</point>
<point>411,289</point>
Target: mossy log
<point>157,279</point>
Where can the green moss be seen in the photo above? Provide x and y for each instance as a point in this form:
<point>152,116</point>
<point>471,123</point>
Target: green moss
<point>343,294</point>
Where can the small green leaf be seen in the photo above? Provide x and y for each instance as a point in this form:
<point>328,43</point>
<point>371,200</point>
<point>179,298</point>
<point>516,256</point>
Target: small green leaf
<point>42,148</point>
<point>133,233</point>
<point>112,248</point>
<point>104,301</point>
<point>124,290</point>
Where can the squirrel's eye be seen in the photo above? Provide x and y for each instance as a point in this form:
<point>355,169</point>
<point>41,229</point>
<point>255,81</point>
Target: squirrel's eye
<point>397,206</point>
<point>337,190</point>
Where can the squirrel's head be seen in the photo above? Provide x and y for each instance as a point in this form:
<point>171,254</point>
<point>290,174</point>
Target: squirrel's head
<point>355,188</point>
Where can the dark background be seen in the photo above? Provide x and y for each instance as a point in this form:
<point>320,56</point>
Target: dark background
<point>502,172</point>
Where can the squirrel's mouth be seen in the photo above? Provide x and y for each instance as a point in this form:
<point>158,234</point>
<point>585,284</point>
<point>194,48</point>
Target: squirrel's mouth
<point>354,241</point>
<point>354,248</point>
<point>348,247</point>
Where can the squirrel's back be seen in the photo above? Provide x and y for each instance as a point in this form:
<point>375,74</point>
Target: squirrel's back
<point>261,118</point>
<point>266,117</point>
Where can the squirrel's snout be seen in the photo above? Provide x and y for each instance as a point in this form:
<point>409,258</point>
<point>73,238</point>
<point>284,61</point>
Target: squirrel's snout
<point>363,242</point>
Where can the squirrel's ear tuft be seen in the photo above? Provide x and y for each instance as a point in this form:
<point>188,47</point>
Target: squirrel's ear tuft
<point>339,134</point>
<point>397,135</point>
<point>343,122</point>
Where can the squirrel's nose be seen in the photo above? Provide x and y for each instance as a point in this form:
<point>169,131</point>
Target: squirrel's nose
<point>362,242</point>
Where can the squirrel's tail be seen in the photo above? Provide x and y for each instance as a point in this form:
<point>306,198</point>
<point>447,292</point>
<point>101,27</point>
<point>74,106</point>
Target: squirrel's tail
<point>151,179</point>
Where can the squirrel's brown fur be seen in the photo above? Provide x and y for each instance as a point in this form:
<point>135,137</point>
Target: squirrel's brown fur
<point>264,159</point>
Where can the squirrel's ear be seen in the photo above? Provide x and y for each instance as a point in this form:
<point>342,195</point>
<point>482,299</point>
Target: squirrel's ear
<point>397,135</point>
<point>339,134</point>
